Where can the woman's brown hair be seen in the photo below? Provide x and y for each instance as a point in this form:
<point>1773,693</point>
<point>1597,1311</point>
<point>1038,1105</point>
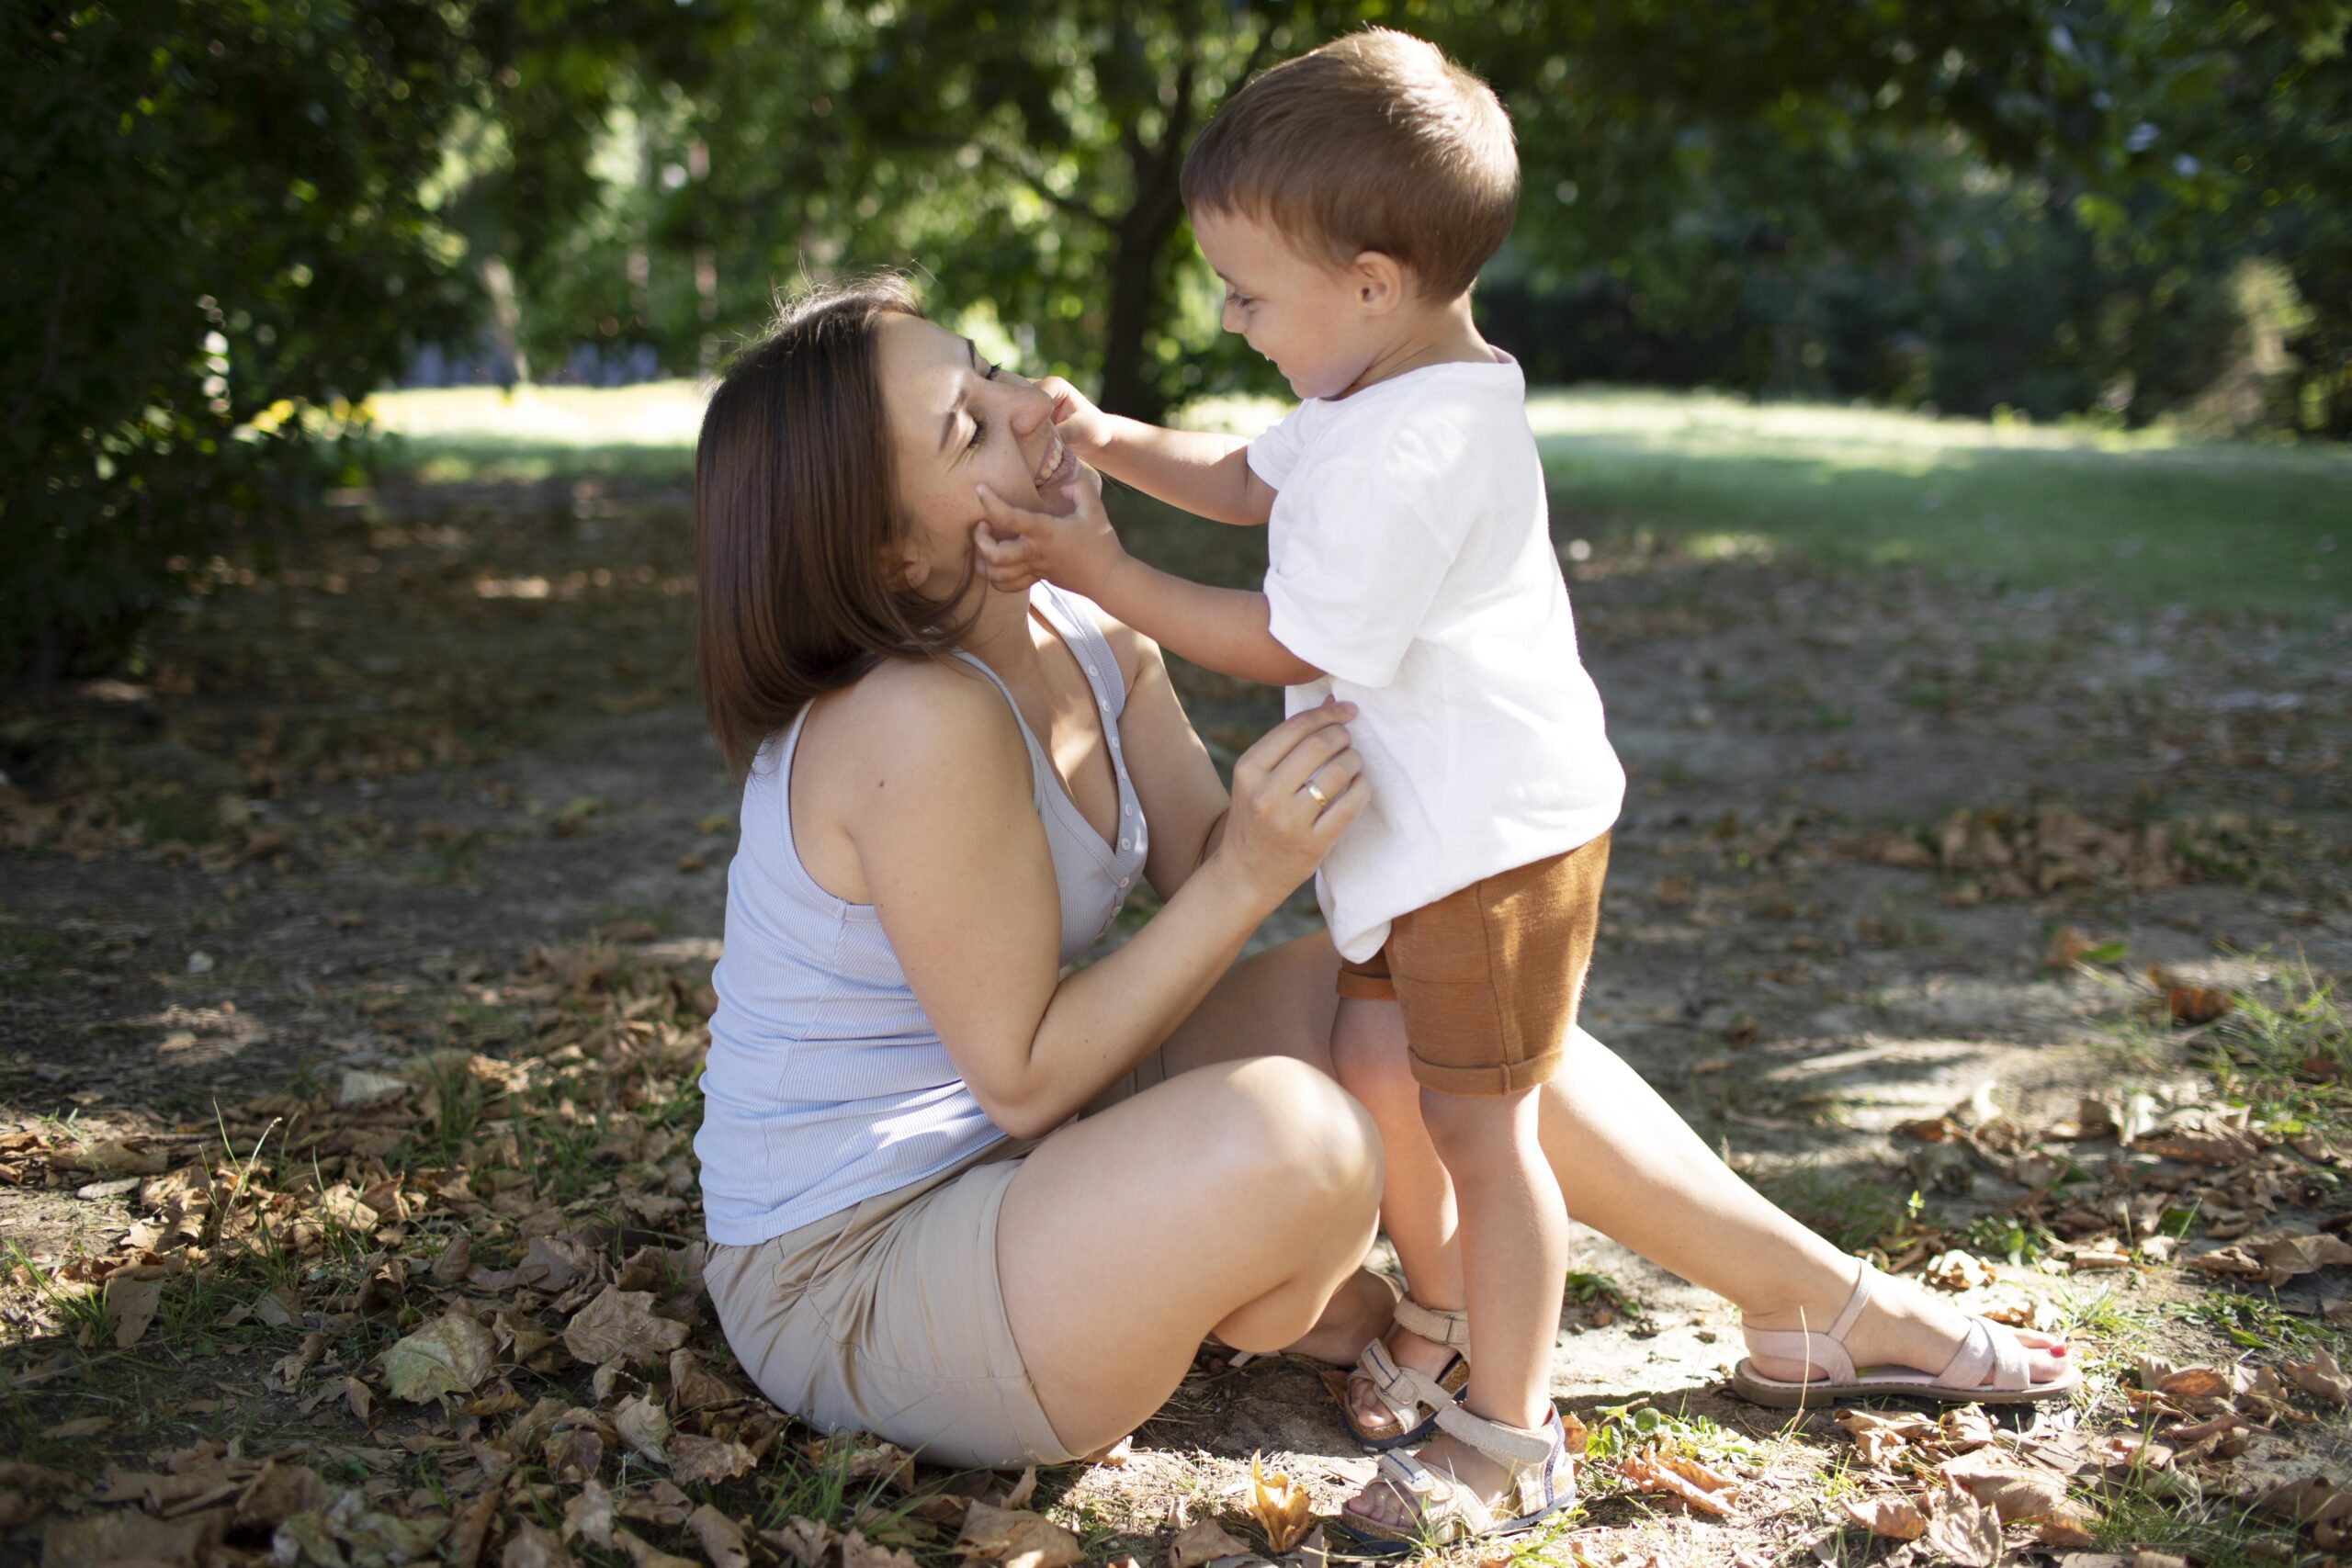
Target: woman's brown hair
<point>795,515</point>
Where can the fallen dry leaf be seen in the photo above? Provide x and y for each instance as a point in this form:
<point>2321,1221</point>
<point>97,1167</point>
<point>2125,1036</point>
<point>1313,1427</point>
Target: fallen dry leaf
<point>1956,1271</point>
<point>1896,1519</point>
<point>532,1546</point>
<point>452,1354</point>
<point>1654,1469</point>
<point>804,1540</point>
<point>705,1461</point>
<point>1016,1538</point>
<point>1281,1506</point>
<point>2195,1382</point>
<point>859,1552</point>
<point>131,1307</point>
<point>589,1515</point>
<point>644,1426</point>
<point>1967,1531</point>
<point>643,1553</point>
<point>471,1531</point>
<point>2321,1376</point>
<point>621,1326</point>
<point>721,1538</point>
<point>2017,1494</point>
<point>1966,1429</point>
<point>130,1536</point>
<point>2065,1532</point>
<point>1200,1542</point>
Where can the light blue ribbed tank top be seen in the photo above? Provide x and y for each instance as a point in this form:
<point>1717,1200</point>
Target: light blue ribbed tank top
<point>825,1084</point>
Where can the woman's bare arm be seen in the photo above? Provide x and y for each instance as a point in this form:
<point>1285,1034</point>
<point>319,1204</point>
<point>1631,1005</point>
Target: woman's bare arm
<point>956,864</point>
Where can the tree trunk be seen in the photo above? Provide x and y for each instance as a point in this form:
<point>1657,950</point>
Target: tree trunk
<point>1134,289</point>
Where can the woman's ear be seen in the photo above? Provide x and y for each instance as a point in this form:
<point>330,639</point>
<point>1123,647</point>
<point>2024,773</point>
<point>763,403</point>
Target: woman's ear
<point>1381,281</point>
<point>904,560</point>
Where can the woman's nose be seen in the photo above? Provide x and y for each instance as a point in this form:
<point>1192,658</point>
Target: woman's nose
<point>1031,408</point>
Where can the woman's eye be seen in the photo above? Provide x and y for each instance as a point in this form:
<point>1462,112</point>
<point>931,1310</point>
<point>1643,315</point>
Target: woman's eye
<point>1239,301</point>
<point>979,428</point>
<point>989,374</point>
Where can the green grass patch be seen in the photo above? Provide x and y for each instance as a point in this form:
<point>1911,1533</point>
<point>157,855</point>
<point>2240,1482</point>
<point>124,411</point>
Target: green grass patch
<point>2220,527</point>
<point>2145,517</point>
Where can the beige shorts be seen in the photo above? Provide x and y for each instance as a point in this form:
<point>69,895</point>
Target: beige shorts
<point>888,1316</point>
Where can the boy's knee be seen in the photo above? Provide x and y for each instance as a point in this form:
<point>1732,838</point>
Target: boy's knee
<point>1469,1122</point>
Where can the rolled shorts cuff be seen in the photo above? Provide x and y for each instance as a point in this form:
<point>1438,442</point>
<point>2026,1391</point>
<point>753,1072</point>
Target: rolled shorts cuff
<point>1487,1082</point>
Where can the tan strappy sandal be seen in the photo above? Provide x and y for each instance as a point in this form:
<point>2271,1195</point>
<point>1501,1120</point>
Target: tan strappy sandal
<point>1831,1377</point>
<point>1444,1510</point>
<point>1404,1392</point>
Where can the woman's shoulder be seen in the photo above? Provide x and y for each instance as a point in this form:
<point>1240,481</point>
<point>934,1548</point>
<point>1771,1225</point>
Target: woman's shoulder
<point>909,716</point>
<point>1135,652</point>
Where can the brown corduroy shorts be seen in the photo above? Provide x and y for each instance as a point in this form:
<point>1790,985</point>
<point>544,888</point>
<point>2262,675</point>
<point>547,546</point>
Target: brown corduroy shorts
<point>1489,977</point>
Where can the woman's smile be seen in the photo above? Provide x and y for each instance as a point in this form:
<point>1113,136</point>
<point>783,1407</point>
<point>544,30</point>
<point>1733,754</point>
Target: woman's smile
<point>1059,465</point>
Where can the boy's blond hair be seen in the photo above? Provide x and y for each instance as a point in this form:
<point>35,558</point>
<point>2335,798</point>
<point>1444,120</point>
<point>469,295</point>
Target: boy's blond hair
<point>1373,143</point>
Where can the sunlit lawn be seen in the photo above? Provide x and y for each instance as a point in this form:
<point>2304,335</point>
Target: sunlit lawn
<point>2141,517</point>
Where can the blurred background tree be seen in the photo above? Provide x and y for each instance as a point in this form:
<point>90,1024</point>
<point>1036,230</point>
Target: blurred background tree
<point>225,215</point>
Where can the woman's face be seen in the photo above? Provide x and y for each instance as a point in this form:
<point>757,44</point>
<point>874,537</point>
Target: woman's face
<point>957,421</point>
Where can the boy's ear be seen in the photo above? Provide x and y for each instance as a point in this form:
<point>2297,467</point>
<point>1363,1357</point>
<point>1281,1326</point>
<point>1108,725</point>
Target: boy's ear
<point>1382,282</point>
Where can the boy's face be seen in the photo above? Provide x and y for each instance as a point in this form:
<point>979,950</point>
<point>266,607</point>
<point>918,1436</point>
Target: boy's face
<point>1312,318</point>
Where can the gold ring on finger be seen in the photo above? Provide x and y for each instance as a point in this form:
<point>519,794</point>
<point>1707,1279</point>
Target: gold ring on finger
<point>1317,791</point>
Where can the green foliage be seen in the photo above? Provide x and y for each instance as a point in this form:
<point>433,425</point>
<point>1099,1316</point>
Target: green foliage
<point>214,228</point>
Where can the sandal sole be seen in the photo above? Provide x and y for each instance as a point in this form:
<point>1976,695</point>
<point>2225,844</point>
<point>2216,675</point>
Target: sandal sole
<point>1383,1547</point>
<point>1773,1394</point>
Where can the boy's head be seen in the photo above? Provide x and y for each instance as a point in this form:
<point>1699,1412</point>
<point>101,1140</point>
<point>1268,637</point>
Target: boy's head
<point>1366,177</point>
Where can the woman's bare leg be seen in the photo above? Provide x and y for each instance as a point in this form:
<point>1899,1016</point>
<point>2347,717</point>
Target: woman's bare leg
<point>1627,1164</point>
<point>1631,1169</point>
<point>1236,1199</point>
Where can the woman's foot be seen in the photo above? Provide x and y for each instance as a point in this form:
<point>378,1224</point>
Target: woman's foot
<point>1363,1306</point>
<point>1903,1325</point>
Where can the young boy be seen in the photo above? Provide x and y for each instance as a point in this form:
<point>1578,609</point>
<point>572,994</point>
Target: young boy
<point>1348,198</point>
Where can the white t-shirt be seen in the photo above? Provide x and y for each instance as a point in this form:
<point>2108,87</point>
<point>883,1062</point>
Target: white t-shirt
<point>1410,560</point>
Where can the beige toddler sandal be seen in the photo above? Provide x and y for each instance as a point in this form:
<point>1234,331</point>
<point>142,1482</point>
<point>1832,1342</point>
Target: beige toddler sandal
<point>1444,1510</point>
<point>1404,1392</point>
<point>1831,1377</point>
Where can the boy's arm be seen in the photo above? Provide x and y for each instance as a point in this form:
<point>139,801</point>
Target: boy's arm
<point>1224,629</point>
<point>1207,474</point>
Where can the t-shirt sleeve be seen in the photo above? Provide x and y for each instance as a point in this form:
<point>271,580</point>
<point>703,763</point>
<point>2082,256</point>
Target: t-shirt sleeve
<point>1355,562</point>
<point>1274,452</point>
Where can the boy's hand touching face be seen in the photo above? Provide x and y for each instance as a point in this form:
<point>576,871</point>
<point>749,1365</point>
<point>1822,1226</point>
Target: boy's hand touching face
<point>1082,427</point>
<point>1078,550</point>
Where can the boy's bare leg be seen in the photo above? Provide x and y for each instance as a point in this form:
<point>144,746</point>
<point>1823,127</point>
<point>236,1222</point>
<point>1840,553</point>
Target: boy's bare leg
<point>1416,1204</point>
<point>1417,1207</point>
<point>1642,1177</point>
<point>1514,1240</point>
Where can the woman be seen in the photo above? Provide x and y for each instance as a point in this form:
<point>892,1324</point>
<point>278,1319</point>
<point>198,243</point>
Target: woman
<point>959,1195</point>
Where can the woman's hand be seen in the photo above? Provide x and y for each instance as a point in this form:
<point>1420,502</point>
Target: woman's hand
<point>1085,428</point>
<point>1078,550</point>
<point>1293,793</point>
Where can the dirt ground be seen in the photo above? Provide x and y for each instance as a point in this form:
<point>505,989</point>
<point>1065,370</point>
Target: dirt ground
<point>1899,853</point>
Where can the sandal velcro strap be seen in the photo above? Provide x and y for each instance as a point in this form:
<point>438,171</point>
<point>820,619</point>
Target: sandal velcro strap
<point>1515,1446</point>
<point>1450,1328</point>
<point>1401,1388</point>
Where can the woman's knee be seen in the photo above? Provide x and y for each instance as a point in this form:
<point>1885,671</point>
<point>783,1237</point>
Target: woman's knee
<point>1278,1125</point>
